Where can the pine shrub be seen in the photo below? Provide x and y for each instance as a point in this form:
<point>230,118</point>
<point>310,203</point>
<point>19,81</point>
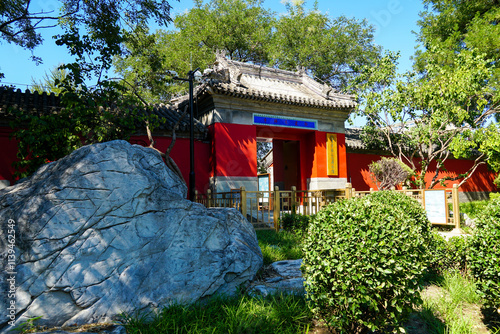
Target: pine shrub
<point>363,259</point>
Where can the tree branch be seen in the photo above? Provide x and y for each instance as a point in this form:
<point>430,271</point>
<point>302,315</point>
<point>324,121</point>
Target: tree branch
<point>471,171</point>
<point>168,160</point>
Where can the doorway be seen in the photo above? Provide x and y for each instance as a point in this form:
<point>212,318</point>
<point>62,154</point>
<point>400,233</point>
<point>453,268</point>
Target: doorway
<point>281,159</point>
<point>291,164</point>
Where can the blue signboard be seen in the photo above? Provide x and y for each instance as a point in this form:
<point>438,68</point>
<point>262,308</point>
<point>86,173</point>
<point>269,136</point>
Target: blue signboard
<point>289,122</point>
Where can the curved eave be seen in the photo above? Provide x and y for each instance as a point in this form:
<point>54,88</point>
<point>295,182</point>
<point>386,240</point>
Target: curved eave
<point>243,93</point>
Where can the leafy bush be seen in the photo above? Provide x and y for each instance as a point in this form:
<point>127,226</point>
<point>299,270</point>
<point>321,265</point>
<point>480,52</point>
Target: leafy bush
<point>295,222</point>
<point>494,195</point>
<point>484,255</point>
<point>363,259</point>
<point>389,172</point>
<point>448,255</point>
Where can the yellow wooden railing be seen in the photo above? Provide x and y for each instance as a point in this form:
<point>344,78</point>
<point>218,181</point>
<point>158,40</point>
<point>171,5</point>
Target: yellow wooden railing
<point>265,208</point>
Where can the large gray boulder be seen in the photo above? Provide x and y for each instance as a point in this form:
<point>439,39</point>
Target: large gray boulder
<point>108,230</point>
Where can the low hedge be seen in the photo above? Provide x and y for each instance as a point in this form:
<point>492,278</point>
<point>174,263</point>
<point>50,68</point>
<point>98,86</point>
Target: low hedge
<point>295,223</point>
<point>484,254</point>
<point>363,260</point>
<point>448,254</point>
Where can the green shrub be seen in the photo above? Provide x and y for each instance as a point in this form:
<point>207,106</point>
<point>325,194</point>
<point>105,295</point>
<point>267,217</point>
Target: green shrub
<point>484,255</point>
<point>494,195</point>
<point>448,255</point>
<point>295,222</point>
<point>363,259</point>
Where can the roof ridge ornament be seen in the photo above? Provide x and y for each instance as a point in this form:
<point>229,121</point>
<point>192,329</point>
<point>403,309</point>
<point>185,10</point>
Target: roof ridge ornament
<point>327,90</point>
<point>230,70</point>
<point>235,75</point>
<point>301,70</point>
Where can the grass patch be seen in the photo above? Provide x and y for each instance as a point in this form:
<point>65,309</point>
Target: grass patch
<point>473,209</point>
<point>460,289</point>
<point>279,246</point>
<point>240,314</point>
<point>451,306</point>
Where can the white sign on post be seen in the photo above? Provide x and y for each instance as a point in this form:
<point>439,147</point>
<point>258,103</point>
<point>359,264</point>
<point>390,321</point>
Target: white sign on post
<point>264,183</point>
<point>435,206</point>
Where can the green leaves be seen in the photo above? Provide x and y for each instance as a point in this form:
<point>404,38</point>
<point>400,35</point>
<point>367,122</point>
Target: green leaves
<point>332,49</point>
<point>467,37</point>
<point>295,223</point>
<point>363,260</point>
<point>484,254</point>
<point>92,30</point>
<point>428,115</point>
<point>87,116</point>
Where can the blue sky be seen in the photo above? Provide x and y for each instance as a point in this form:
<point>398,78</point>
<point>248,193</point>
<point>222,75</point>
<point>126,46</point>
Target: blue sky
<point>394,19</point>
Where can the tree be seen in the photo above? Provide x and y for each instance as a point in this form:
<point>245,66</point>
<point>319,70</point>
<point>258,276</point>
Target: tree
<point>389,172</point>
<point>50,81</point>
<point>459,25</point>
<point>145,62</point>
<point>87,117</point>
<point>331,49</point>
<point>101,20</point>
<point>239,27</point>
<point>455,26</point>
<point>93,32</point>
<point>432,116</point>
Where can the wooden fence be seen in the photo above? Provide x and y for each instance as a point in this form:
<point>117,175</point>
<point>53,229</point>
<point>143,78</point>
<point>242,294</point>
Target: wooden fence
<point>264,209</point>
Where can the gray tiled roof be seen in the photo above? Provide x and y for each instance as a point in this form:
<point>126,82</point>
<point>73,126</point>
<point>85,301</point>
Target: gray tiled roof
<point>249,81</point>
<point>17,99</point>
<point>282,92</point>
<point>45,103</point>
<point>265,83</point>
<point>172,115</point>
<point>353,139</point>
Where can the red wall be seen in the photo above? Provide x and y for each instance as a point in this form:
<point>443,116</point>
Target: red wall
<point>234,149</point>
<point>481,180</point>
<point>278,166</point>
<point>312,154</point>
<point>8,151</point>
<point>180,154</point>
<point>234,153</point>
<point>320,157</point>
